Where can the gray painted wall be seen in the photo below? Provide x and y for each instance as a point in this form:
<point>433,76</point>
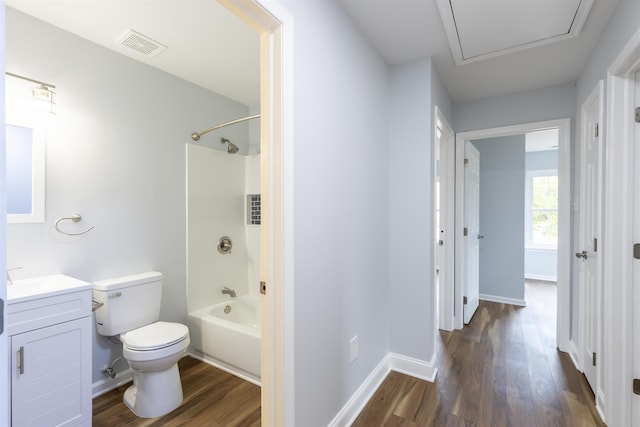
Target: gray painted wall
<point>115,154</point>
<point>502,172</point>
<point>410,210</point>
<point>341,224</point>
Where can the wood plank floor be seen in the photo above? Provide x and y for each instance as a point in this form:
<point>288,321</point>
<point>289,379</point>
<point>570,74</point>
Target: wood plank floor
<point>212,398</point>
<point>503,369</point>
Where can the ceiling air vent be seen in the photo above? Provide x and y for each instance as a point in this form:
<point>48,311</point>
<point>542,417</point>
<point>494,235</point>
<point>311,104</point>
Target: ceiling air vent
<point>142,44</point>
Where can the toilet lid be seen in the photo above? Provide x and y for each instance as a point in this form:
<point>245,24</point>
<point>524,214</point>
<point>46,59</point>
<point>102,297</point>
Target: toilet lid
<point>154,336</point>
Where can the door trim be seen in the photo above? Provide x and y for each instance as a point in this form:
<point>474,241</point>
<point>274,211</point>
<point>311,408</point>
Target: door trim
<point>597,95</point>
<point>5,388</point>
<point>275,26</point>
<point>564,215</point>
<point>445,299</point>
<point>618,235</point>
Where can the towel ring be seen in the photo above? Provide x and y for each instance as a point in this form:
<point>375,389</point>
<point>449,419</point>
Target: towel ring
<point>74,218</point>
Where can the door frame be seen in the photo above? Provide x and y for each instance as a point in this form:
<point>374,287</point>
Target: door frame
<point>445,298</point>
<point>596,96</point>
<point>275,26</point>
<point>564,215</point>
<point>618,235</point>
<point>5,389</point>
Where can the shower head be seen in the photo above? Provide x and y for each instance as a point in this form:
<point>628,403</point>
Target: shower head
<point>231,147</point>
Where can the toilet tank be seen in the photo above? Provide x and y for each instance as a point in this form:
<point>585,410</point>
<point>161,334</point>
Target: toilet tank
<point>130,302</point>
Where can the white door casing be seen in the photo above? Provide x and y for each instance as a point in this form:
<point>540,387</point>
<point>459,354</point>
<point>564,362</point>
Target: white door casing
<point>444,207</point>
<point>275,26</point>
<point>471,286</point>
<point>4,350</point>
<point>621,272</point>
<point>635,406</point>
<point>590,226</point>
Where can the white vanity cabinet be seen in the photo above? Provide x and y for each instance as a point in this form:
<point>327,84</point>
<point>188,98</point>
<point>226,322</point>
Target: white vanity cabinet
<point>50,339</point>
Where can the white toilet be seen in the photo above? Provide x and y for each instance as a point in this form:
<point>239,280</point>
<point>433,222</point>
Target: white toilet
<point>152,348</point>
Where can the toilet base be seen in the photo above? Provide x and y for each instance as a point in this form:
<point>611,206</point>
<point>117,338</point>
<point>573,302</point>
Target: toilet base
<point>154,394</point>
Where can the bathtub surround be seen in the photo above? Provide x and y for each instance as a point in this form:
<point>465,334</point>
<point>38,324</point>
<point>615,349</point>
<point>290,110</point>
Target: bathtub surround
<point>217,205</point>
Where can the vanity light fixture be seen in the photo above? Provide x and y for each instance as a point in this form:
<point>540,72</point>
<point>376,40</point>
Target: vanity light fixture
<point>43,94</point>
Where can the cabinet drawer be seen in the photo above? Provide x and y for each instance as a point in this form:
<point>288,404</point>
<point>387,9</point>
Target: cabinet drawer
<point>38,313</point>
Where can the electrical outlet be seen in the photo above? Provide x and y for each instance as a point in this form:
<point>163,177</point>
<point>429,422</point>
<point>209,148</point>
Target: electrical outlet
<point>354,348</point>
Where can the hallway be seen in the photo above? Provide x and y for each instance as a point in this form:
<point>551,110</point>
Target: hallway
<point>503,369</point>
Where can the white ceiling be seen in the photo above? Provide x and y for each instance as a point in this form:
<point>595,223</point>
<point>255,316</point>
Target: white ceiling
<point>210,47</point>
<point>480,30</point>
<point>406,30</point>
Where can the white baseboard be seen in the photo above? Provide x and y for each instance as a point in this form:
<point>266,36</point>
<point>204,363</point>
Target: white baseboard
<point>600,404</point>
<point>503,300</point>
<point>361,397</point>
<point>574,355</point>
<point>107,384</point>
<point>413,367</point>
<point>541,277</point>
<point>391,362</point>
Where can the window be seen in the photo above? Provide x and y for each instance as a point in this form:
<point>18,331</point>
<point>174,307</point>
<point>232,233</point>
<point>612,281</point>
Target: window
<point>541,221</point>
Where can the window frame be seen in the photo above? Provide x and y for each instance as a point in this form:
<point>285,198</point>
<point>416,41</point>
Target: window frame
<point>528,208</point>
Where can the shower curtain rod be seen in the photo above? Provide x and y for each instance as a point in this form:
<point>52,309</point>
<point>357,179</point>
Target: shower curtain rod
<point>196,135</point>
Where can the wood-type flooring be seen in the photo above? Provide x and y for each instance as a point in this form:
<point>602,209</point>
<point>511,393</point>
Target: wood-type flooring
<point>212,398</point>
<point>503,369</point>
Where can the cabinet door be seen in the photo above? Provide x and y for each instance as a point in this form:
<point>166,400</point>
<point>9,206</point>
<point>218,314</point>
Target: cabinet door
<point>51,368</point>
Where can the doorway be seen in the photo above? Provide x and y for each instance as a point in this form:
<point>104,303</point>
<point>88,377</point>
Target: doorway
<point>275,26</point>
<point>564,227</point>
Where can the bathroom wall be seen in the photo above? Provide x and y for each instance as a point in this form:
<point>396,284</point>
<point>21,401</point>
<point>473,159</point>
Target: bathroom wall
<point>217,183</point>
<point>116,155</point>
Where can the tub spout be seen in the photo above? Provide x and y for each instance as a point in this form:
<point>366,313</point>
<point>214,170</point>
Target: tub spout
<point>230,292</point>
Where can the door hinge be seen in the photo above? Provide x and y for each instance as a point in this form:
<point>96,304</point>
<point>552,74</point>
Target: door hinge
<point>465,232</point>
<point>596,130</point>
<point>263,287</point>
<point>636,386</point>
<point>636,251</point>
<point>638,115</point>
<point>595,244</point>
<point>464,300</point>
<point>593,358</point>
<point>466,162</point>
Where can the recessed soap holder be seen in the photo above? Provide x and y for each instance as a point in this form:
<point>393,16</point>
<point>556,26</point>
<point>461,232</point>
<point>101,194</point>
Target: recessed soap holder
<point>224,245</point>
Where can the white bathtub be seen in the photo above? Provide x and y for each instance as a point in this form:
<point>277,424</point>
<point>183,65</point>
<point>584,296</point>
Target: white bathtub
<point>230,341</point>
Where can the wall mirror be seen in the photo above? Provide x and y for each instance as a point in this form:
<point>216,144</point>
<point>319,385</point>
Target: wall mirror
<point>25,146</point>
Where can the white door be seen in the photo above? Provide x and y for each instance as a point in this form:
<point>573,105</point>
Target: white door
<point>444,224</point>
<point>635,414</point>
<point>588,253</point>
<point>471,283</point>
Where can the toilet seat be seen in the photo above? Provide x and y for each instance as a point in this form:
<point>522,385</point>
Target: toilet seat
<point>155,336</point>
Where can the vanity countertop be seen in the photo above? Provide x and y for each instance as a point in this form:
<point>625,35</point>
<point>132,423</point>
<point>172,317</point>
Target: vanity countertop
<point>44,286</point>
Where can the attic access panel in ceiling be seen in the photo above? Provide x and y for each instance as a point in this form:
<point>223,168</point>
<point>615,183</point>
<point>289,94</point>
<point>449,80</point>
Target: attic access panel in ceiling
<point>483,29</point>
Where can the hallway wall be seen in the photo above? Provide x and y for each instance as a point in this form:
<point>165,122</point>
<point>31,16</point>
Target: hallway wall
<point>341,215</point>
